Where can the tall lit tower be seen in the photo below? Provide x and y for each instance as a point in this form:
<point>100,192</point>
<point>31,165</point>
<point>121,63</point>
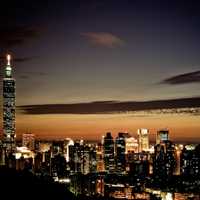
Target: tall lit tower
<point>109,153</point>
<point>143,139</point>
<point>9,108</point>
<point>162,135</point>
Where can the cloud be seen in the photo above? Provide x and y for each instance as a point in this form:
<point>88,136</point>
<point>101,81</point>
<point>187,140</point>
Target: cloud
<point>23,59</point>
<point>24,77</point>
<point>192,77</point>
<point>17,35</point>
<point>24,74</point>
<point>28,75</point>
<point>103,39</point>
<point>16,59</point>
<point>107,107</point>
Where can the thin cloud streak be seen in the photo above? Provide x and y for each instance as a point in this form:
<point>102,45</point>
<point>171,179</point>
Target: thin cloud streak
<point>192,77</point>
<point>17,59</point>
<point>103,39</point>
<point>108,107</point>
<point>28,75</point>
<point>13,36</point>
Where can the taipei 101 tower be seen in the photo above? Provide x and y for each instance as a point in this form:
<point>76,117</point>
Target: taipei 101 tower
<point>8,108</point>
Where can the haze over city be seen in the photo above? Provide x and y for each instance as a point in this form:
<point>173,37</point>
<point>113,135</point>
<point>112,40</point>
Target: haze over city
<point>85,68</point>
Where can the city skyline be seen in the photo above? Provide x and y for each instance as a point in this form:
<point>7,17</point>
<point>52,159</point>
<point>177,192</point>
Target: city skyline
<point>100,67</point>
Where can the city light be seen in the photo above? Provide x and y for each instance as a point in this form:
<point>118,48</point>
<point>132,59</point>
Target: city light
<point>100,100</point>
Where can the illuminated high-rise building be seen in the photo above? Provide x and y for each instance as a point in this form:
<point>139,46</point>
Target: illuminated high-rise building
<point>57,147</point>
<point>67,142</point>
<point>164,161</point>
<point>120,144</point>
<point>82,158</point>
<point>9,108</point>
<point>28,140</point>
<point>99,158</point>
<point>190,161</point>
<point>143,139</point>
<point>162,136</point>
<point>109,157</point>
<point>76,157</point>
<point>131,145</point>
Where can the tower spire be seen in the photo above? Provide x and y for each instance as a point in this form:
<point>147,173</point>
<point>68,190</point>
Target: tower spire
<point>9,108</point>
<point>8,58</point>
<point>8,69</point>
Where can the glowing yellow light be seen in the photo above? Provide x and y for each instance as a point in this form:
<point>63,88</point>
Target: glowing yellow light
<point>8,59</point>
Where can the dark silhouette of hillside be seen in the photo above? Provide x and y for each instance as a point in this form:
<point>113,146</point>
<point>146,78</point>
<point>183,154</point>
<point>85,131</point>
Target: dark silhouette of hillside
<point>24,185</point>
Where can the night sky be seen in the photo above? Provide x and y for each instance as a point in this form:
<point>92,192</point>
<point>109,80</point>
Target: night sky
<point>86,67</point>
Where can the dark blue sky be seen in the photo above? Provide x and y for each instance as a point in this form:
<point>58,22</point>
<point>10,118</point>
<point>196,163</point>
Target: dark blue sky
<point>104,50</point>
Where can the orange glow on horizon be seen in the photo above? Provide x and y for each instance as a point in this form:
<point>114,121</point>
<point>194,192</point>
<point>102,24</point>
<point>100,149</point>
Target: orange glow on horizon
<point>92,127</point>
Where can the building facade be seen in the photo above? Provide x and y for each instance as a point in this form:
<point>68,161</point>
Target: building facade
<point>143,139</point>
<point>190,161</point>
<point>162,136</point>
<point>109,153</point>
<point>120,146</point>
<point>9,108</point>
<point>164,163</point>
<point>28,140</point>
<point>131,145</point>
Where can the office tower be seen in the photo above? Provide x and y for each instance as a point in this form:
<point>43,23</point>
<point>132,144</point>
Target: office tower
<point>9,108</point>
<point>162,135</point>
<point>179,149</point>
<point>131,145</point>
<point>109,159</point>
<point>38,161</point>
<point>138,163</point>
<point>82,158</point>
<point>190,161</point>
<point>99,156</point>
<point>92,158</point>
<point>76,157</point>
<point>140,168</point>
<point>143,139</point>
<point>67,142</point>
<point>86,160</point>
<point>164,161</point>
<point>120,145</point>
<point>89,164</point>
<point>57,147</point>
<point>24,158</point>
<point>131,149</point>
<point>58,167</point>
<point>28,140</point>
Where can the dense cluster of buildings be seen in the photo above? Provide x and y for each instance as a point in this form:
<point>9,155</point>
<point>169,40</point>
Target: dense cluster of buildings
<point>115,167</point>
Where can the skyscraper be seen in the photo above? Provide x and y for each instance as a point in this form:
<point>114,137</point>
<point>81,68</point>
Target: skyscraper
<point>164,162</point>
<point>162,136</point>
<point>131,145</point>
<point>9,108</point>
<point>143,139</point>
<point>82,158</point>
<point>67,142</point>
<point>120,144</point>
<point>28,140</point>
<point>99,157</point>
<point>109,158</point>
<point>190,161</point>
